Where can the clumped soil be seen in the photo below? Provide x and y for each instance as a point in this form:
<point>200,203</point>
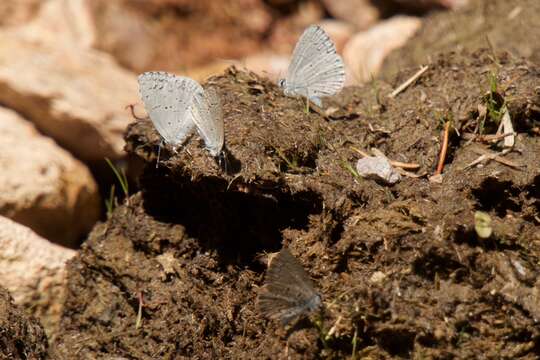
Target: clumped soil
<point>502,25</point>
<point>400,268</point>
<point>21,336</point>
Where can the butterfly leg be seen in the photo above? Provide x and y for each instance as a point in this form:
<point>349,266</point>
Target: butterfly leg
<point>307,102</point>
<point>159,153</point>
<point>307,105</point>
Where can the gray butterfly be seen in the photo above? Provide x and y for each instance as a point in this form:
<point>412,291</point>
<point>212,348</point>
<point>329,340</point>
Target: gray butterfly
<point>316,70</point>
<point>168,99</point>
<point>178,105</point>
<point>288,291</point>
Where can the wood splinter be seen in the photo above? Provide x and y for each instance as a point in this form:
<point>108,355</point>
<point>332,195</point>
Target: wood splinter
<point>444,149</point>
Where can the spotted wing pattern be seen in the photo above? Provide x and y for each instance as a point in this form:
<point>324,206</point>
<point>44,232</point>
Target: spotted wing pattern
<point>207,115</point>
<point>288,291</point>
<point>316,69</point>
<point>167,99</point>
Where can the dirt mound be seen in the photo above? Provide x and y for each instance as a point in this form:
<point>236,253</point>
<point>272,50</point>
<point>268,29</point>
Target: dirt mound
<point>21,337</point>
<point>502,25</point>
<point>400,268</point>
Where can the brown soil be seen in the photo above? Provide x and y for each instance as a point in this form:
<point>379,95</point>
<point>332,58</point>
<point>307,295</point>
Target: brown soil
<point>400,268</point>
<point>503,25</point>
<point>21,337</point>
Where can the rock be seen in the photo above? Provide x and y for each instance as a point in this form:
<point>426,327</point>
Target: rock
<point>41,185</point>
<point>77,96</point>
<point>377,168</point>
<point>339,31</point>
<point>21,337</point>
<point>32,269</point>
<point>360,13</point>
<point>17,12</point>
<point>432,4</point>
<point>377,277</point>
<point>287,30</point>
<point>62,22</point>
<point>272,66</point>
<point>365,52</point>
<point>138,34</point>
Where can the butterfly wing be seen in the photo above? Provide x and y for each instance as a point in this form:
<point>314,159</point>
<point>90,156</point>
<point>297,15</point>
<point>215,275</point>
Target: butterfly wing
<point>316,69</point>
<point>208,117</point>
<point>288,290</point>
<point>167,99</point>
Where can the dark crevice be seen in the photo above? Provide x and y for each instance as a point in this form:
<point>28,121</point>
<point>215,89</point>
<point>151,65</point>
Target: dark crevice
<point>337,231</point>
<point>434,263</point>
<point>532,194</point>
<point>496,195</point>
<point>292,161</point>
<point>236,223</point>
<point>397,342</point>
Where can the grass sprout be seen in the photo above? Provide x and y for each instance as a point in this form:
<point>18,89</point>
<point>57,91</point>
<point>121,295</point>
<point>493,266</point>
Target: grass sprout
<point>121,176</point>
<point>495,105</point>
<point>111,202</point>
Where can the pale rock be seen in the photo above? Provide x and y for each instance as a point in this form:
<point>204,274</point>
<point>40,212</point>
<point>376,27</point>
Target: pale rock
<point>77,96</point>
<point>360,13</point>
<point>16,12</point>
<point>126,34</point>
<point>286,31</point>
<point>63,22</point>
<point>339,31</point>
<point>365,52</point>
<point>454,4</point>
<point>430,4</point>
<point>174,34</point>
<point>377,168</point>
<point>272,66</point>
<point>377,277</point>
<point>202,73</point>
<point>42,186</point>
<point>33,270</point>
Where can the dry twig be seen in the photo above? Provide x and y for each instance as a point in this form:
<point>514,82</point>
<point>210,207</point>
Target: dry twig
<point>398,164</point>
<point>444,149</point>
<point>407,83</point>
<point>486,155</point>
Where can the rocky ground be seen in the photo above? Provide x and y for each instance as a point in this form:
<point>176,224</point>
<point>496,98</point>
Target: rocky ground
<point>174,269</point>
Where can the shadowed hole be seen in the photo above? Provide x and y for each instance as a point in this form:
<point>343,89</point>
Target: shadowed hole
<point>237,223</point>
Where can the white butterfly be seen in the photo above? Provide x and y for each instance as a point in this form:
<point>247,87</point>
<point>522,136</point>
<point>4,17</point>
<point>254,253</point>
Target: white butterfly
<point>178,105</point>
<point>316,70</point>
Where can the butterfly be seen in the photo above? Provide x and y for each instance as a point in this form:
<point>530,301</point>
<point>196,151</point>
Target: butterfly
<point>288,291</point>
<point>178,106</point>
<point>316,70</point>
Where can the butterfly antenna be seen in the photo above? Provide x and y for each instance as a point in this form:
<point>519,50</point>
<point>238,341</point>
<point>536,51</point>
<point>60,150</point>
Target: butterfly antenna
<point>159,153</point>
<point>135,116</point>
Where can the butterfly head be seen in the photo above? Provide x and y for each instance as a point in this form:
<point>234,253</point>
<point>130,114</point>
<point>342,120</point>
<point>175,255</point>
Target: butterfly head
<point>282,83</point>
